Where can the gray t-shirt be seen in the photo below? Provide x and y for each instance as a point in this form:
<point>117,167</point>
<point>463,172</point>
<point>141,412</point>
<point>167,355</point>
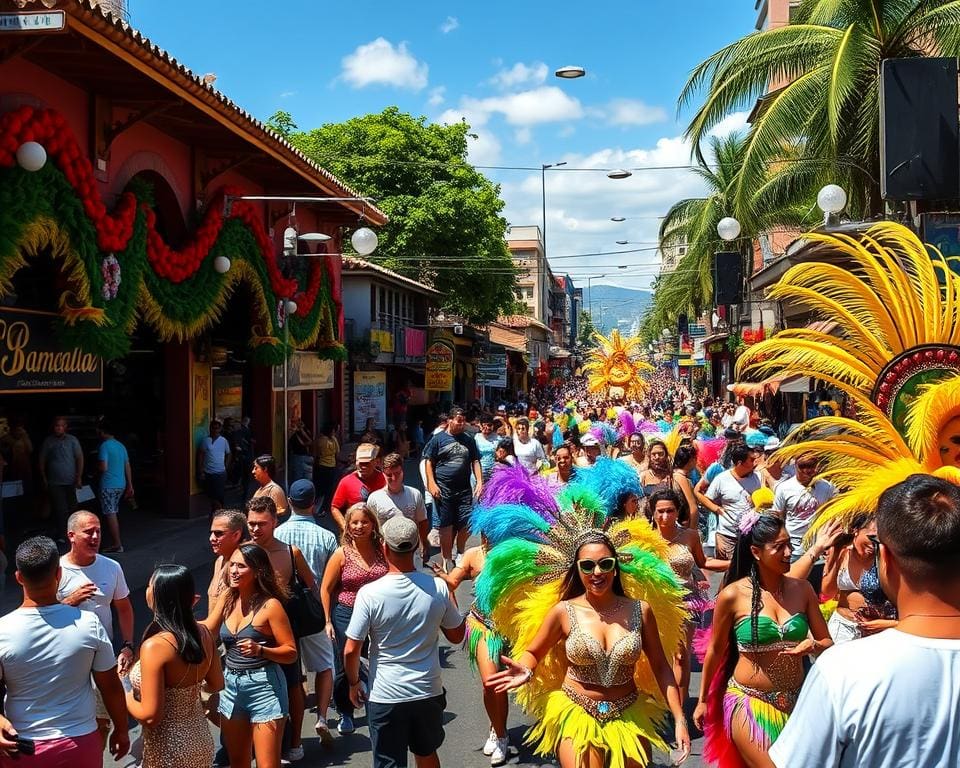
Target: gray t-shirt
<point>46,657</point>
<point>799,504</point>
<point>108,577</point>
<point>402,614</point>
<point>734,495</point>
<point>59,456</point>
<point>409,502</point>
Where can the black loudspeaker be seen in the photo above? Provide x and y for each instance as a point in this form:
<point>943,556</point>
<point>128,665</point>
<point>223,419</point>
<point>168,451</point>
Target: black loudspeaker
<point>683,324</point>
<point>919,129</point>
<point>727,277</point>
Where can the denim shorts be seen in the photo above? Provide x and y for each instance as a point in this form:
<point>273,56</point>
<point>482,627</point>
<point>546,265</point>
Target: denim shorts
<point>258,695</point>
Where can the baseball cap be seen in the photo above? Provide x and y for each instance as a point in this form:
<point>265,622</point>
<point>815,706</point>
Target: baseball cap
<point>501,409</point>
<point>401,534</point>
<point>302,493</point>
<point>772,444</point>
<point>589,441</point>
<point>367,452</point>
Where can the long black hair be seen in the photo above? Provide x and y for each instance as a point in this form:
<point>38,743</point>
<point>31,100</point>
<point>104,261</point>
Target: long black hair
<point>744,565</point>
<point>173,595</point>
<point>572,586</point>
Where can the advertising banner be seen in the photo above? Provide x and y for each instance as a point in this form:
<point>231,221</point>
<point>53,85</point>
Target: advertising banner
<point>369,399</point>
<point>438,376</point>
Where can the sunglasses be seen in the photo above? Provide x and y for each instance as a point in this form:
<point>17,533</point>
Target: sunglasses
<point>605,564</point>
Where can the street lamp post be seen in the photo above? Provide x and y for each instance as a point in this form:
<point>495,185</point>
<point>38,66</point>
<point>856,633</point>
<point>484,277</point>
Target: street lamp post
<point>543,199</point>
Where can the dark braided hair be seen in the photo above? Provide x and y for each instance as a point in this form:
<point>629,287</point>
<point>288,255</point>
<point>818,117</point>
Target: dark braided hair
<point>743,565</point>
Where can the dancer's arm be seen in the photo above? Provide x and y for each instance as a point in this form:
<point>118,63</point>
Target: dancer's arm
<point>826,538</point>
<point>519,671</point>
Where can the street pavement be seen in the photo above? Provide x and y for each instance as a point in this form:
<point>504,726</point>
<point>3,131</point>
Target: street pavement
<point>465,723</point>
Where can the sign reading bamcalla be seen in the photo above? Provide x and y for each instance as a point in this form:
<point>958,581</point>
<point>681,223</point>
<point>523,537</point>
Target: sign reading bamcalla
<point>438,374</point>
<point>31,359</point>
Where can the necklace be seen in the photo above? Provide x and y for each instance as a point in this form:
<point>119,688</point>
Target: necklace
<point>605,613</point>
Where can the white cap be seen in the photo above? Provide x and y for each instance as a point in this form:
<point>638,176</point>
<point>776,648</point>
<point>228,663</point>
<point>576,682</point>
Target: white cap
<point>589,440</point>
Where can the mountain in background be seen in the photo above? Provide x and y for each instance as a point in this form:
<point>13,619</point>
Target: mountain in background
<point>615,307</point>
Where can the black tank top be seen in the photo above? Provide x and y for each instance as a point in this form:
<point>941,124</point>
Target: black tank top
<point>236,660</point>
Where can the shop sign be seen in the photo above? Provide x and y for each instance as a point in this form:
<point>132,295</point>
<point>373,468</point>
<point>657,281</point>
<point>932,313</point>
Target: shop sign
<point>492,371</point>
<point>438,375</point>
<point>33,21</point>
<point>31,359</point>
<point>228,397</point>
<point>305,371</point>
<point>369,399</point>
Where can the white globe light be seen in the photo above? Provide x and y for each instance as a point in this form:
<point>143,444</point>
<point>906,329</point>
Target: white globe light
<point>221,264</point>
<point>364,241</point>
<point>31,156</point>
<point>832,199</point>
<point>290,307</point>
<point>728,228</point>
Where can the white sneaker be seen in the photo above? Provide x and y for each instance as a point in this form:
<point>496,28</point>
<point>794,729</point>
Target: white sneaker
<point>434,537</point>
<point>499,756</point>
<point>491,743</point>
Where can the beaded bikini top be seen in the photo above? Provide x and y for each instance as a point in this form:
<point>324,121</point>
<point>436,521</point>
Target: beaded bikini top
<point>770,635</point>
<point>590,664</point>
<point>682,562</point>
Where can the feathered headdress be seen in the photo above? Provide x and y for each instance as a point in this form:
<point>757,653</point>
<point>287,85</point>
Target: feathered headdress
<point>531,555</point>
<point>614,366</point>
<point>609,480</point>
<point>895,351</point>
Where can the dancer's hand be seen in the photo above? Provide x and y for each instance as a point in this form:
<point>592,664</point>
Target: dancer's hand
<point>804,648</point>
<point>682,736</point>
<point>699,713</point>
<point>514,676</point>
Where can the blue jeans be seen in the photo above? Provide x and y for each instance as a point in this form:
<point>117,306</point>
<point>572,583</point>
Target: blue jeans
<point>341,688</point>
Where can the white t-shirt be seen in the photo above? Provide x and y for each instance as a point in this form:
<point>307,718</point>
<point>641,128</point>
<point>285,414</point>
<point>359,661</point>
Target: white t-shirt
<point>799,505</point>
<point>734,495</point>
<point>741,418</point>
<point>402,613</point>
<point>886,701</point>
<point>529,454</point>
<point>108,577</point>
<point>46,657</point>
<point>409,502</point>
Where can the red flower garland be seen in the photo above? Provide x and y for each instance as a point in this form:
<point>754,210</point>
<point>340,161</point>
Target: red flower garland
<point>49,128</point>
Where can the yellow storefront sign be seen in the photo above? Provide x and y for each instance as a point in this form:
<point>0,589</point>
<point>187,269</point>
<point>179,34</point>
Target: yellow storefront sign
<point>438,375</point>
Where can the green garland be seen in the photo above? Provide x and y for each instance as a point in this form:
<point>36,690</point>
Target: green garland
<point>41,209</point>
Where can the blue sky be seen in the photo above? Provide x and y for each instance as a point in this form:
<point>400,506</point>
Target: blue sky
<point>493,64</point>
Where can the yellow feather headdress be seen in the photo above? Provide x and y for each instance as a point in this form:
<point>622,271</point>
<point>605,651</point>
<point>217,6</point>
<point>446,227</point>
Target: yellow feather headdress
<point>896,352</point>
<point>614,366</point>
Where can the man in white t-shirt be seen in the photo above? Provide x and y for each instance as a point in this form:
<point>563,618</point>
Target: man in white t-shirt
<point>397,499</point>
<point>213,461</point>
<point>798,498</point>
<point>890,700</point>
<point>528,450</point>
<point>48,652</point>
<point>730,495</point>
<point>96,583</point>
<point>402,612</point>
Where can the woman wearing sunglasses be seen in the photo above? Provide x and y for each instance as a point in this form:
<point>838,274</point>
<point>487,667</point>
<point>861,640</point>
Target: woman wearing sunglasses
<point>598,717</point>
<point>848,577</point>
<point>764,623</point>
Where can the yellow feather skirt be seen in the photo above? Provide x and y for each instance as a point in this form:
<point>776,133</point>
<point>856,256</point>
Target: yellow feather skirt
<point>622,739</point>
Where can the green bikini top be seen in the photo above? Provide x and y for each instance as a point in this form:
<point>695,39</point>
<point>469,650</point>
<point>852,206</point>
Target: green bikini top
<point>770,635</point>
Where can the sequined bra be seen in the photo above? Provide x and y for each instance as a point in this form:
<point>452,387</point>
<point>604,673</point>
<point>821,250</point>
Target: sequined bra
<point>682,562</point>
<point>590,664</point>
<point>770,635</point>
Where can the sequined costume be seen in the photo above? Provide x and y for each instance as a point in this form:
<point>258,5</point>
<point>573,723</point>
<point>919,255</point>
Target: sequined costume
<point>182,737</point>
<point>533,537</point>
<point>696,600</point>
<point>764,713</point>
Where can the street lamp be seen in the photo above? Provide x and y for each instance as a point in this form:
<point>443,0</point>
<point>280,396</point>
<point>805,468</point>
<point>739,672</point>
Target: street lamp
<point>543,198</point>
<point>570,72</point>
<point>831,199</point>
<point>728,228</point>
<point>618,219</point>
<point>619,173</point>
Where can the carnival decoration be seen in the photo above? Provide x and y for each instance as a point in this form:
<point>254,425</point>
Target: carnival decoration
<point>614,367</point>
<point>49,200</point>
<point>533,538</point>
<point>896,353</point>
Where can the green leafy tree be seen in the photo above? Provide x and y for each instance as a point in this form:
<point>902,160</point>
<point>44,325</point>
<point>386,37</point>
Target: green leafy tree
<point>445,225</point>
<point>825,103</point>
<point>282,123</point>
<point>585,329</point>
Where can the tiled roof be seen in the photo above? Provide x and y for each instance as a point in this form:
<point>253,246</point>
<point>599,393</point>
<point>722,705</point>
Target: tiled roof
<point>161,59</point>
<point>521,321</point>
<point>353,264</point>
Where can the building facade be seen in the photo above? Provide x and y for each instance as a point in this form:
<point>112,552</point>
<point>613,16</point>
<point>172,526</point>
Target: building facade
<point>534,279</point>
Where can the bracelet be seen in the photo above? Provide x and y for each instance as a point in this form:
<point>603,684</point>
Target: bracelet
<point>527,673</point>
<point>127,646</point>
<point>353,685</point>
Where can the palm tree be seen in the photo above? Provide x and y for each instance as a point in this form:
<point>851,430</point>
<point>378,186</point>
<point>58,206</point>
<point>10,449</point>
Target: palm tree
<point>828,106</point>
<point>692,223</point>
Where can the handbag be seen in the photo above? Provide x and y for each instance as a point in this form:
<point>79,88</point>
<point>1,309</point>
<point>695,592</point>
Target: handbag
<point>303,609</point>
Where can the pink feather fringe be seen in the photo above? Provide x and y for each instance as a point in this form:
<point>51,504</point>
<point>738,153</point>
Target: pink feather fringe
<point>628,425</point>
<point>709,451</point>
<point>718,749</point>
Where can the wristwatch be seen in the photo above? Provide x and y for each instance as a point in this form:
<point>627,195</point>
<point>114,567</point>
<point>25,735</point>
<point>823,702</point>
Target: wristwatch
<point>127,646</point>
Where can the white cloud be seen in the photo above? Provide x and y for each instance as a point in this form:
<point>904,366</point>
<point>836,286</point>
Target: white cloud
<point>483,148</point>
<point>547,104</point>
<point>732,123</point>
<point>634,112</point>
<point>288,94</point>
<point>437,96</point>
<point>520,74</point>
<point>522,135</point>
<point>382,63</point>
<point>580,203</point>
<point>449,24</point>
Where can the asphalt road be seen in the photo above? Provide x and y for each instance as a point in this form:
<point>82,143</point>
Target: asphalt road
<point>465,723</point>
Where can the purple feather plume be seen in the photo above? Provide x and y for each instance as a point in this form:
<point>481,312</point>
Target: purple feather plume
<point>513,485</point>
<point>628,425</point>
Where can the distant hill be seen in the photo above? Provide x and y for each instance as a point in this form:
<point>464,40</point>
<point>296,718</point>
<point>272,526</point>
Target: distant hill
<point>616,307</point>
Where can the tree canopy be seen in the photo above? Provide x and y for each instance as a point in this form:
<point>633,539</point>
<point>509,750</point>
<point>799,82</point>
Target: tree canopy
<point>445,227</point>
